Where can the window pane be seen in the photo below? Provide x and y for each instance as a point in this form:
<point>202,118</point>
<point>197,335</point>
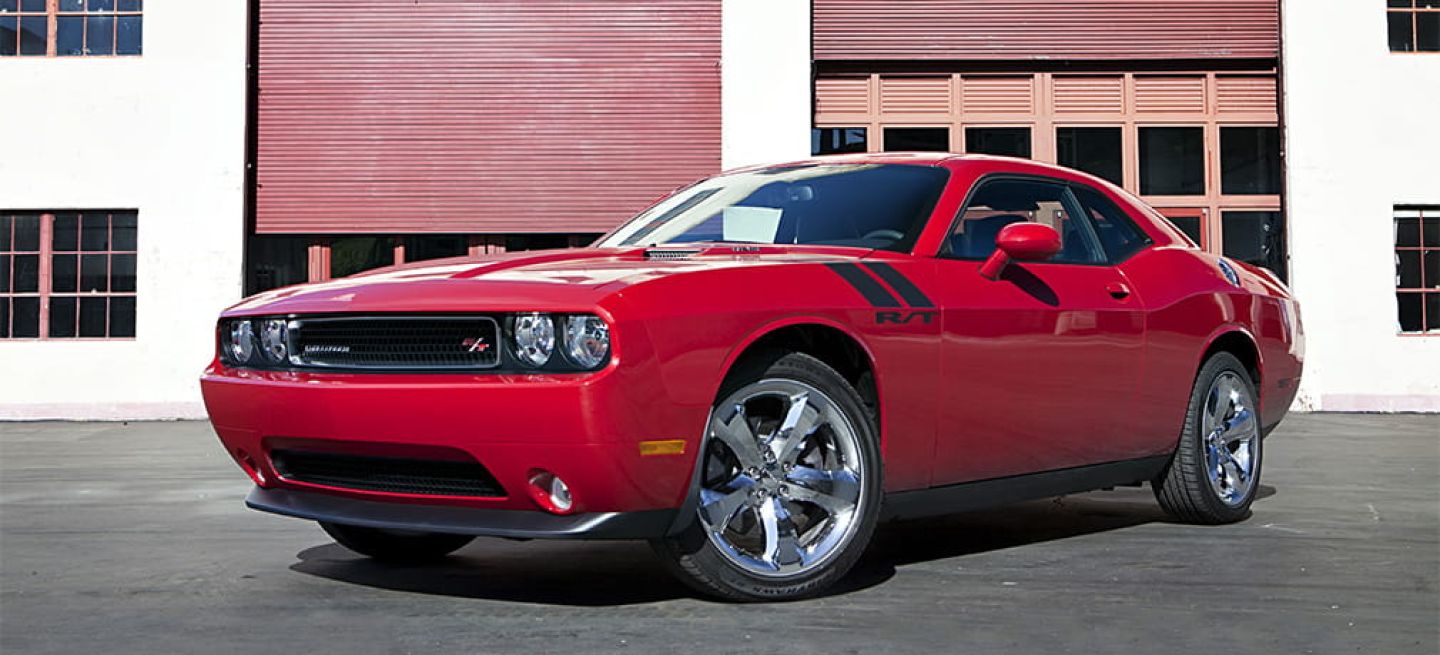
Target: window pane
<point>1117,234</point>
<point>93,313</point>
<point>127,35</point>
<point>64,273</point>
<point>352,255</point>
<point>1003,141</point>
<point>5,227</point>
<point>93,272</point>
<point>1427,31</point>
<point>34,35</point>
<point>1402,39</point>
<point>1399,3</point>
<point>94,232</point>
<point>1250,160</point>
<point>27,273</point>
<point>1172,161</point>
<point>27,233</point>
<point>1407,269</point>
<point>4,273</point>
<point>122,317</point>
<point>9,5</point>
<point>922,139</point>
<point>62,316</point>
<point>32,5</point>
<point>122,273</point>
<point>1411,318</point>
<point>4,318</point>
<point>128,5</point>
<point>275,262</point>
<point>100,35</point>
<point>1095,150</point>
<point>25,318</point>
<point>9,39</point>
<point>65,231</point>
<point>1407,232</point>
<point>1431,271</point>
<point>72,5</point>
<point>1190,225</point>
<point>1431,226</point>
<point>1432,312</point>
<point>122,231</point>
<point>70,36</point>
<point>1255,238</point>
<point>1002,202</point>
<point>101,5</point>
<point>836,140</point>
<point>421,248</point>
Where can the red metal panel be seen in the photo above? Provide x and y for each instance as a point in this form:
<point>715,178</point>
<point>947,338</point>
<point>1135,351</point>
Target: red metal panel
<point>1089,94</point>
<point>1156,94</point>
<point>1058,29</point>
<point>998,95</point>
<point>1239,94</point>
<point>915,95</point>
<point>843,95</point>
<point>493,116</point>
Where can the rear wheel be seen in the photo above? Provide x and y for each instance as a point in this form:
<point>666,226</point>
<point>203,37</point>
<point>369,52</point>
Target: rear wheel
<point>396,545</point>
<point>789,485</point>
<point>1215,471</point>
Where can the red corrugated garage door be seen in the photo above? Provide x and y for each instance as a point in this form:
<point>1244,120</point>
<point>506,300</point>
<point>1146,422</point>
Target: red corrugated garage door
<point>1055,29</point>
<point>468,116</point>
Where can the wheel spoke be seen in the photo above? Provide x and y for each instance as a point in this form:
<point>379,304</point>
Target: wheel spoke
<point>737,435</point>
<point>782,544</point>
<point>831,502</point>
<point>1240,426</point>
<point>718,508</point>
<point>800,421</point>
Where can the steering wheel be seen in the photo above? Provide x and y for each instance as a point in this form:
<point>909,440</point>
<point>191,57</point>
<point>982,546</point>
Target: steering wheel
<point>893,235</point>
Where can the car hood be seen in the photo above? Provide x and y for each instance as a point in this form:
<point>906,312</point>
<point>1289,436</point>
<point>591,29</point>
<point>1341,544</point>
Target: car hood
<point>558,280</point>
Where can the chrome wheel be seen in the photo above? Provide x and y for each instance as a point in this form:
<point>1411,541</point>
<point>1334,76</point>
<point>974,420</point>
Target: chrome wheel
<point>1231,439</point>
<point>783,479</point>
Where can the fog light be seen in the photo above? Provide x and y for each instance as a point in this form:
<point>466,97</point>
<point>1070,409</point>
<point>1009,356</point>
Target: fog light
<point>550,492</point>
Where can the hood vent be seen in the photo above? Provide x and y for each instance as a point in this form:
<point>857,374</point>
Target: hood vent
<point>670,254</point>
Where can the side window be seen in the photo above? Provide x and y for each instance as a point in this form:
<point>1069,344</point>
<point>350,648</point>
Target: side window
<point>1117,234</point>
<point>1001,202</point>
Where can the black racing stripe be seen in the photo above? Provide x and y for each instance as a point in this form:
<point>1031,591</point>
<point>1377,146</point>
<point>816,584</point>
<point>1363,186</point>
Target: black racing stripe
<point>874,293</point>
<point>912,294</point>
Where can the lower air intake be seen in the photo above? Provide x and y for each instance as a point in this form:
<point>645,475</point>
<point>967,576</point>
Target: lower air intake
<point>387,474</point>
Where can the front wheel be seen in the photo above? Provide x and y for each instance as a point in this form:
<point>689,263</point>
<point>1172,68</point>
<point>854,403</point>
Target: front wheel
<point>401,546</point>
<point>1215,471</point>
<point>789,484</point>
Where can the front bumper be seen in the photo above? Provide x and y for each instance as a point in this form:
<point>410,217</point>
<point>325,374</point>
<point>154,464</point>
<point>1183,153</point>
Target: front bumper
<point>514,524</point>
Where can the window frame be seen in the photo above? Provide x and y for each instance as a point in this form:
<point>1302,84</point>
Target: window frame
<point>1068,199</point>
<point>1427,328</point>
<point>52,14</point>
<point>45,291</point>
<point>1413,12</point>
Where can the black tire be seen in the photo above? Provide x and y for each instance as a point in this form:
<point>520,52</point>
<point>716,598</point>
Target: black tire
<point>694,559</point>
<point>399,546</point>
<point>1184,489</point>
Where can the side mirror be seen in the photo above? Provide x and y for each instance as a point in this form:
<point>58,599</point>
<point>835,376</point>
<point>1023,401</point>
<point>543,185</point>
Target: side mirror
<point>1026,242</point>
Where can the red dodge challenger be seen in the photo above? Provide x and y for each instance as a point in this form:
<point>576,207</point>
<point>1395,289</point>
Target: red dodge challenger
<point>756,370</point>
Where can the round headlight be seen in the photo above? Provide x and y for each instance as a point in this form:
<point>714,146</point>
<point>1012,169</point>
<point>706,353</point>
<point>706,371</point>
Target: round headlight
<point>241,341</point>
<point>534,338</point>
<point>272,340</point>
<point>587,341</point>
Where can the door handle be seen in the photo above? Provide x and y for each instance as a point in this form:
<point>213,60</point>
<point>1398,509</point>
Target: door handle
<point>1118,290</point>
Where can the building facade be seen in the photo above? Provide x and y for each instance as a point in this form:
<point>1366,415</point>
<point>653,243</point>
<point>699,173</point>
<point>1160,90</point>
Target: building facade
<point>172,170</point>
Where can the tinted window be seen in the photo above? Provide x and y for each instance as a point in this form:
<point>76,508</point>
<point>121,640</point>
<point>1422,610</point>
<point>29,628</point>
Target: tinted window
<point>1117,234</point>
<point>998,203</point>
<point>1250,160</point>
<point>1003,141</point>
<point>1172,161</point>
<point>913,139</point>
<point>1095,150</point>
<point>1255,238</point>
<point>837,140</point>
<point>859,205</point>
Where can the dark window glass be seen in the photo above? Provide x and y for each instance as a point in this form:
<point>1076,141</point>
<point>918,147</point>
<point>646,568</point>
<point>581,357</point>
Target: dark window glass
<point>27,233</point>
<point>1432,230</point>
<point>837,140</point>
<point>32,5</point>
<point>100,5</point>
<point>9,5</point>
<point>63,316</point>
<point>1255,238</point>
<point>1250,160</point>
<point>537,242</point>
<point>1002,141</point>
<point>93,314</point>
<point>122,316</point>
<point>93,273</point>
<point>70,36</point>
<point>1172,161</point>
<point>917,139</point>
<point>4,273</point>
<point>1117,234</point>
<point>9,38</point>
<point>100,35</point>
<point>94,232</point>
<point>421,248</point>
<point>1431,270</point>
<point>1095,150</point>
<point>1407,269</point>
<point>72,5</point>
<point>25,318</point>
<point>1190,225</point>
<point>6,224</point>
<point>66,233</point>
<point>1407,232</point>
<point>127,35</point>
<point>275,261</point>
<point>64,273</point>
<point>351,255</point>
<point>1402,36</point>
<point>1412,316</point>
<point>4,317</point>
<point>1427,31</point>
<point>129,5</point>
<point>999,203</point>
<point>34,35</point>
<point>122,273</point>
<point>122,229</point>
<point>27,273</point>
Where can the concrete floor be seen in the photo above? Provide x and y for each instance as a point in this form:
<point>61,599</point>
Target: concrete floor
<point>132,538</point>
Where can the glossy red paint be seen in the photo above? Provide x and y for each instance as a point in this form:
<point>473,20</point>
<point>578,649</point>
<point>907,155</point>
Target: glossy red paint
<point>1048,366</point>
<point>1027,242</point>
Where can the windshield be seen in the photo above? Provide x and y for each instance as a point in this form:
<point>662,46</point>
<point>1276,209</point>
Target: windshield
<point>882,206</point>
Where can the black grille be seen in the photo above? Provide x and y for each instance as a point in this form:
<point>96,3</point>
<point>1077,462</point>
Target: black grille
<point>430,477</point>
<point>396,343</point>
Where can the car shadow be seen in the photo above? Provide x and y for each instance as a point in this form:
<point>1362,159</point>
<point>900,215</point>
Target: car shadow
<point>606,573</point>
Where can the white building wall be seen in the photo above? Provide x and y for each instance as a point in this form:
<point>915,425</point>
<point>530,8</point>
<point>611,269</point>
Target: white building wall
<point>1363,135</point>
<point>765,81</point>
<point>163,133</point>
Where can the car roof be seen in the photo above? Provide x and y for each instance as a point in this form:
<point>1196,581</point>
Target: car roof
<point>912,158</point>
